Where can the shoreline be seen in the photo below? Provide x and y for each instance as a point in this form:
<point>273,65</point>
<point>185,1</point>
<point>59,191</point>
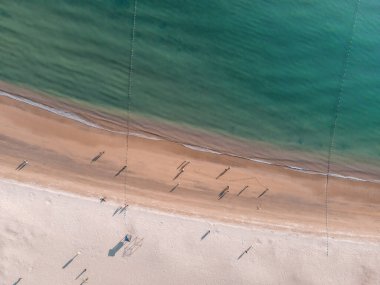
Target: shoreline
<point>152,136</point>
<point>60,150</point>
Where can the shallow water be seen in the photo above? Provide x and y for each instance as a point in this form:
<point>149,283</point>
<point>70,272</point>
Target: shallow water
<point>266,71</point>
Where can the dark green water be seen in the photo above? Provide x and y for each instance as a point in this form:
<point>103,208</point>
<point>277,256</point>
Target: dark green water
<point>262,70</point>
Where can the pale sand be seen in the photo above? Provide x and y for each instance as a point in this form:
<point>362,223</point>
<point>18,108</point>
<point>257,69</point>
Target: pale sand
<point>59,151</point>
<point>41,230</point>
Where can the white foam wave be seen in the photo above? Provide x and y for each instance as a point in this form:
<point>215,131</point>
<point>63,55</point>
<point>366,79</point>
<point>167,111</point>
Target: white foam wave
<point>50,109</point>
<point>81,120</point>
<point>202,149</point>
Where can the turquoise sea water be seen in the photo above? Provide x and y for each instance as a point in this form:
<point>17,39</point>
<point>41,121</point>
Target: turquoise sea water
<point>267,71</point>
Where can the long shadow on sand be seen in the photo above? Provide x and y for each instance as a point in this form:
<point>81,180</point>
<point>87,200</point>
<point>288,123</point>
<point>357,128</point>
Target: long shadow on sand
<point>116,248</point>
<point>205,235</point>
<point>116,211</point>
<point>18,281</point>
<point>70,260</point>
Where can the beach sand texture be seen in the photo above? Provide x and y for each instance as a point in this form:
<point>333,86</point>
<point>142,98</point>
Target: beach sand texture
<point>60,151</point>
<point>286,226</point>
<point>42,230</point>
<point>158,142</point>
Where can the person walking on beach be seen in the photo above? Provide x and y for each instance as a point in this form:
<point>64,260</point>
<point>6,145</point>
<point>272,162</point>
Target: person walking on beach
<point>224,192</point>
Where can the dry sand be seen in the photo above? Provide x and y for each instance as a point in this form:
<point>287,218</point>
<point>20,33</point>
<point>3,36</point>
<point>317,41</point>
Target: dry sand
<point>59,152</point>
<point>40,231</point>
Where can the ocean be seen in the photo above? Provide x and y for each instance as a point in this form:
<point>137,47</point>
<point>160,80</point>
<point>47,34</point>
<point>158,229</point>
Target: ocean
<point>271,72</point>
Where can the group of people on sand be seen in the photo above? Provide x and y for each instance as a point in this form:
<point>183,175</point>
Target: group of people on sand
<point>22,165</point>
<point>181,169</point>
<point>96,158</point>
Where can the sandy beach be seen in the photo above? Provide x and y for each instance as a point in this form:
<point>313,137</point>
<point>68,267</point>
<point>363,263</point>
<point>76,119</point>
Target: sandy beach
<point>41,231</point>
<point>286,223</point>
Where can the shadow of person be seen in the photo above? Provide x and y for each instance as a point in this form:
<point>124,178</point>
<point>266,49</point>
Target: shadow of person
<point>97,157</point>
<point>117,210</point>
<point>80,274</point>
<point>70,260</point>
<point>116,248</point>
<point>22,165</point>
<point>262,194</point>
<point>245,252</point>
<point>223,172</point>
<point>241,255</point>
<point>123,208</point>
<point>181,164</point>
<point>18,281</point>
<point>205,235</point>
<point>178,174</point>
<point>175,187</point>
<point>241,191</point>
<point>120,171</point>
